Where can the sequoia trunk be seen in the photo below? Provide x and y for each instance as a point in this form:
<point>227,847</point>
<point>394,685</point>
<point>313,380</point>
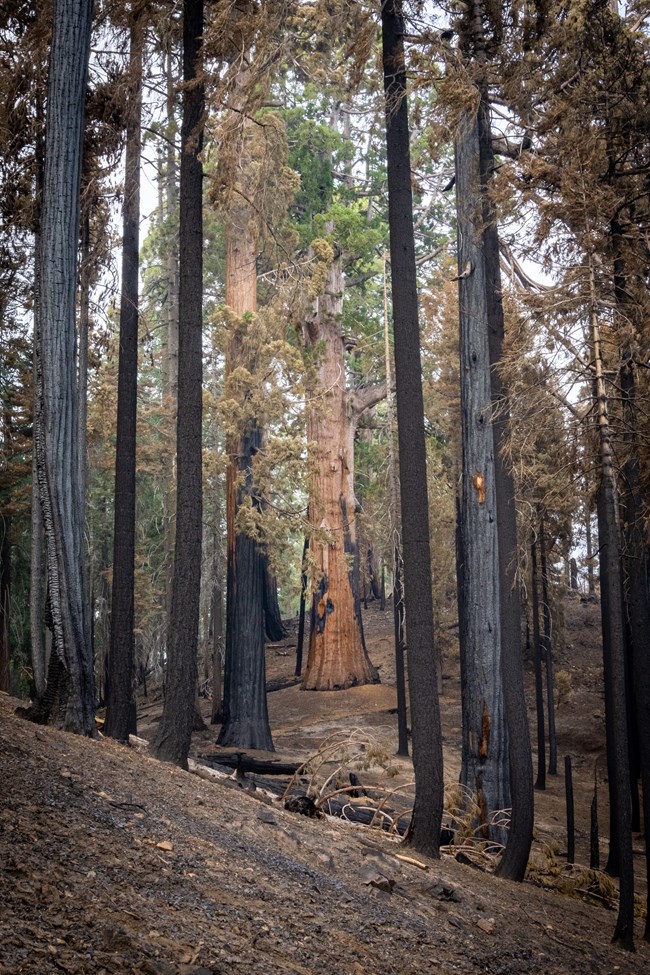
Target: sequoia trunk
<point>56,397</point>
<point>337,655</point>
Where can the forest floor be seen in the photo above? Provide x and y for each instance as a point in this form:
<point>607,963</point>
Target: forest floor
<point>111,862</point>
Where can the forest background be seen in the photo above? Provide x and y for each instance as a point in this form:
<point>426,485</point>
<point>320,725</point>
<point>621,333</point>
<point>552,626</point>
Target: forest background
<point>281,112</point>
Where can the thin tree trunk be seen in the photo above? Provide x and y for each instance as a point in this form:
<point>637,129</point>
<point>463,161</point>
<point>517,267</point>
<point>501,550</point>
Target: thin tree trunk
<point>424,832</point>
<point>217,652</point>
<point>172,741</point>
<point>37,554</point>
<point>613,646</point>
<point>398,594</point>
<point>635,555</point>
<point>172,306</point>
<point>301,610</point>
<point>57,394</point>
<point>570,815</point>
<point>539,688</point>
<point>5,603</point>
<point>120,705</point>
<point>548,653</point>
<point>591,584</point>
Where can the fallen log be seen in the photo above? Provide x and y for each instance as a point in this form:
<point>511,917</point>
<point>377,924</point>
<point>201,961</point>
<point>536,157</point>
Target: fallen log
<point>245,763</point>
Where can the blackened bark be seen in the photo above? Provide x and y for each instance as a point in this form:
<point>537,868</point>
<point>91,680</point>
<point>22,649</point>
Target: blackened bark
<point>635,555</point>
<point>570,817</point>
<point>273,625</point>
<point>539,688</point>
<point>5,602</point>
<point>484,768</point>
<point>613,644</point>
<point>400,653</point>
<point>37,553</point>
<point>548,653</point>
<point>515,858</point>
<point>424,833</point>
<point>173,738</point>
<point>594,841</point>
<point>301,610</point>
<point>56,398</point>
<point>245,712</point>
<point>217,648</point>
<point>121,658</point>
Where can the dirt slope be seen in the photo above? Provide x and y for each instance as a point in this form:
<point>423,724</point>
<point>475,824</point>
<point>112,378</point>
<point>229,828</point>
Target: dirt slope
<point>113,863</point>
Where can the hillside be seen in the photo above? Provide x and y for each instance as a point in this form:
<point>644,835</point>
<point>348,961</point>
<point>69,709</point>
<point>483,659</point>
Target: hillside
<point>111,862</point>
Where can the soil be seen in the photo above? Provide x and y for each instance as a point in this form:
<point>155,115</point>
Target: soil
<point>111,862</point>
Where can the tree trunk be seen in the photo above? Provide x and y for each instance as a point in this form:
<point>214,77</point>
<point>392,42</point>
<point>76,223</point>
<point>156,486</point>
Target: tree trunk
<point>484,770</point>
<point>273,625</point>
<point>337,656</point>
<point>539,688</point>
<point>172,740</point>
<point>635,554</point>
<point>5,603</point>
<point>217,651</point>
<point>301,609</point>
<point>515,858</point>
<point>424,833</point>
<point>37,552</point>
<point>548,653</point>
<point>172,307</point>
<point>613,645</point>
<point>57,401</point>
<point>245,712</point>
<point>120,704</point>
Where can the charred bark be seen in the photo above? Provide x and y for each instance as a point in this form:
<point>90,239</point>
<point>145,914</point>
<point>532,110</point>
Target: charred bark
<point>548,652</point>
<point>484,770</point>
<point>424,831</point>
<point>613,644</point>
<point>539,688</point>
<point>174,734</point>
<point>57,393</point>
<point>120,705</point>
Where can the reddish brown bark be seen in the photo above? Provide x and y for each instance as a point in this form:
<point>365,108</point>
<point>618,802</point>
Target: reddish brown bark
<point>337,653</point>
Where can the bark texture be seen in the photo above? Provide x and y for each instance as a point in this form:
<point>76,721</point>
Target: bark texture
<point>173,738</point>
<point>424,832</point>
<point>337,655</point>
<point>120,704</point>
<point>484,769</point>
<point>613,645</point>
<point>245,712</point>
<point>56,395</point>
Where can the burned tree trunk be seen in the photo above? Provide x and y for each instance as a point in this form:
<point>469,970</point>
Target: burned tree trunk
<point>56,395</point>
<point>174,734</point>
<point>424,832</point>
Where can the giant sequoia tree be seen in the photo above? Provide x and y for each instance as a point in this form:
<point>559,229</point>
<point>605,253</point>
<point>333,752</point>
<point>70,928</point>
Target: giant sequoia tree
<point>56,395</point>
<point>337,652</point>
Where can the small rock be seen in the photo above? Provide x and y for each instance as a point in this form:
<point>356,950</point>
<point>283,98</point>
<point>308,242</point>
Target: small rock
<point>266,816</point>
<point>486,924</point>
<point>165,845</point>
